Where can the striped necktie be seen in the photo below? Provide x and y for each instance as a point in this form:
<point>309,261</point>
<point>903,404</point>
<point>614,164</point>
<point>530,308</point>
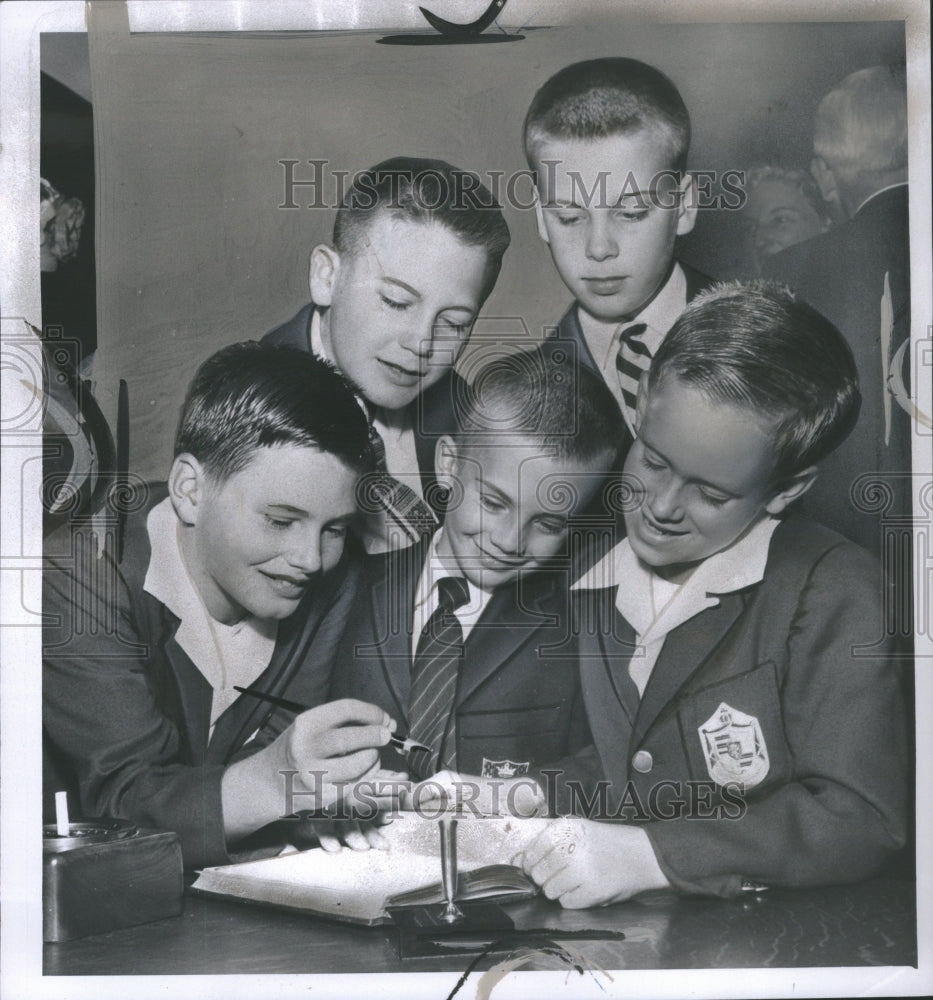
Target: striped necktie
<point>632,361</point>
<point>434,681</point>
<point>401,503</point>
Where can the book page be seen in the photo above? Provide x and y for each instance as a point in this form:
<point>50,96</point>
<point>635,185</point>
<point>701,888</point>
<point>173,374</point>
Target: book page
<point>354,885</point>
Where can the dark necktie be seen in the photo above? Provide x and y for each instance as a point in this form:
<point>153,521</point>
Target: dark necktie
<point>632,361</point>
<point>401,503</point>
<point>434,681</point>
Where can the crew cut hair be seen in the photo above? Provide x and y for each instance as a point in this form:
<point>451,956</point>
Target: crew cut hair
<point>426,191</point>
<point>249,396</point>
<point>543,398</point>
<point>599,98</point>
<point>755,346</point>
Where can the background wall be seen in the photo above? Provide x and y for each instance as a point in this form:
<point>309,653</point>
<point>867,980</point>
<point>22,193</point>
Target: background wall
<point>194,250</point>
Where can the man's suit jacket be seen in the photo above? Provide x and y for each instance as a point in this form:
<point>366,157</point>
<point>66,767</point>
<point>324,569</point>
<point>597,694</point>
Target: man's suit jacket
<point>803,654</point>
<point>431,414</point>
<point>841,273</point>
<point>518,697</point>
<point>126,713</point>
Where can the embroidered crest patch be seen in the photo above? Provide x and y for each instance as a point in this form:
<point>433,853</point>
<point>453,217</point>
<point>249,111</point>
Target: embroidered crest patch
<point>504,768</point>
<point>734,747</point>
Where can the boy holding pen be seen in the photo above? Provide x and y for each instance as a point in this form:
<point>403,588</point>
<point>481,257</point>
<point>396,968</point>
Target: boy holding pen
<point>233,576</point>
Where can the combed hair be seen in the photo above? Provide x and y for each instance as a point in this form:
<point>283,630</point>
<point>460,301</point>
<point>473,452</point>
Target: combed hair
<point>249,396</point>
<point>861,124</point>
<point>802,180</point>
<point>540,397</point>
<point>754,345</point>
<point>606,97</point>
<point>425,191</point>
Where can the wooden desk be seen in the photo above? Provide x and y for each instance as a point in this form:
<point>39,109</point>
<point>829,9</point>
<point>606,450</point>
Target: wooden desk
<point>870,923</point>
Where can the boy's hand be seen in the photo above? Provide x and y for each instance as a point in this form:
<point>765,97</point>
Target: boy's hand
<point>470,794</point>
<point>374,799</point>
<point>582,863</point>
<point>307,767</point>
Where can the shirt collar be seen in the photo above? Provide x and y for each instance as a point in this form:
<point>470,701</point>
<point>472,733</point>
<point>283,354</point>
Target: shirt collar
<point>658,316</point>
<point>435,569</point>
<point>871,197</point>
<point>317,342</point>
<point>734,568</point>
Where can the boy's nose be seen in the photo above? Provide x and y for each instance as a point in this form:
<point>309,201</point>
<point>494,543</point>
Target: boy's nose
<point>664,501</point>
<point>601,243</point>
<point>507,537</point>
<point>306,556</point>
<point>416,337</point>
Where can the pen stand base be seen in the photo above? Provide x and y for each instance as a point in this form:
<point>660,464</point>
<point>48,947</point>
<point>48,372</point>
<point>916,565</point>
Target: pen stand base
<point>108,882</point>
<point>422,929</point>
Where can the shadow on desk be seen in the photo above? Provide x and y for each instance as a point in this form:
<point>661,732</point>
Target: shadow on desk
<point>865,924</point>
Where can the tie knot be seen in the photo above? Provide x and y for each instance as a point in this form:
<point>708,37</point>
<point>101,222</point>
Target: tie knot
<point>452,593</point>
<point>629,333</point>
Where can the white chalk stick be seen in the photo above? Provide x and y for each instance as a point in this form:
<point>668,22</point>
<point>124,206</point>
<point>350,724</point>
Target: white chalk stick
<point>62,826</point>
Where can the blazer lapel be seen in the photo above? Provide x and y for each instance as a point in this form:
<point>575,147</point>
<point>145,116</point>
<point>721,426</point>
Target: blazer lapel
<point>683,654</point>
<point>606,644</point>
<point>392,608</point>
<point>194,695</point>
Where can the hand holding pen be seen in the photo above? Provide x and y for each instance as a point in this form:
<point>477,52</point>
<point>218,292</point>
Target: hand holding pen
<point>403,744</point>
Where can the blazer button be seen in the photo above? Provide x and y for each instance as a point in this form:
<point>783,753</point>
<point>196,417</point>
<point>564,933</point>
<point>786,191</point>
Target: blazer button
<point>643,761</point>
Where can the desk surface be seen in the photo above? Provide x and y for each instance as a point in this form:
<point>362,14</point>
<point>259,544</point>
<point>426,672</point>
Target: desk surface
<point>870,923</point>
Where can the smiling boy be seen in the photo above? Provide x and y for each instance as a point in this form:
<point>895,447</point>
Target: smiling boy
<point>499,695</point>
<point>608,141</point>
<point>416,250</point>
<point>236,578</point>
<point>740,688</point>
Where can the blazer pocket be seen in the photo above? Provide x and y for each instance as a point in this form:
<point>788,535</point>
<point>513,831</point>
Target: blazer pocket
<point>733,731</point>
<point>509,722</point>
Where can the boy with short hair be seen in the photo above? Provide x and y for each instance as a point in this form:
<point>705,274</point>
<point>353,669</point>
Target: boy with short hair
<point>416,251</point>
<point>464,638</point>
<point>236,578</point>
<point>608,141</point>
<point>742,695</point>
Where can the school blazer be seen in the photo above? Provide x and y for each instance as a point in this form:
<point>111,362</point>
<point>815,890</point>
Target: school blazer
<point>431,414</point>
<point>518,705</point>
<point>794,677</point>
<point>126,714</point>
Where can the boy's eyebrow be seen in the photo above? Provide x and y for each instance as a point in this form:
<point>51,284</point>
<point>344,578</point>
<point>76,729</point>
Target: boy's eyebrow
<point>287,507</point>
<point>487,485</point>
<point>625,196</point>
<point>699,482</point>
<point>414,291</point>
<point>402,284</point>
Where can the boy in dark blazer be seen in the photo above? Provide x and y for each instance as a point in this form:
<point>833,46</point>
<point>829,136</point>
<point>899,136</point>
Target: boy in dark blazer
<point>416,251</point>
<point>532,446</point>
<point>607,140</point>
<point>233,576</point>
<point>744,699</point>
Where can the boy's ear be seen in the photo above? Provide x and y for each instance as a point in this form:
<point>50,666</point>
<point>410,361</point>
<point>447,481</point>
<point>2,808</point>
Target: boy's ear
<point>825,180</point>
<point>539,217</point>
<point>445,460</point>
<point>186,487</point>
<point>793,490</point>
<point>687,210</point>
<point>322,273</point>
<point>641,400</point>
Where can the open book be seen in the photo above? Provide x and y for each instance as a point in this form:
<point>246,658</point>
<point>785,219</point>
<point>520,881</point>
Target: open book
<point>357,886</point>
